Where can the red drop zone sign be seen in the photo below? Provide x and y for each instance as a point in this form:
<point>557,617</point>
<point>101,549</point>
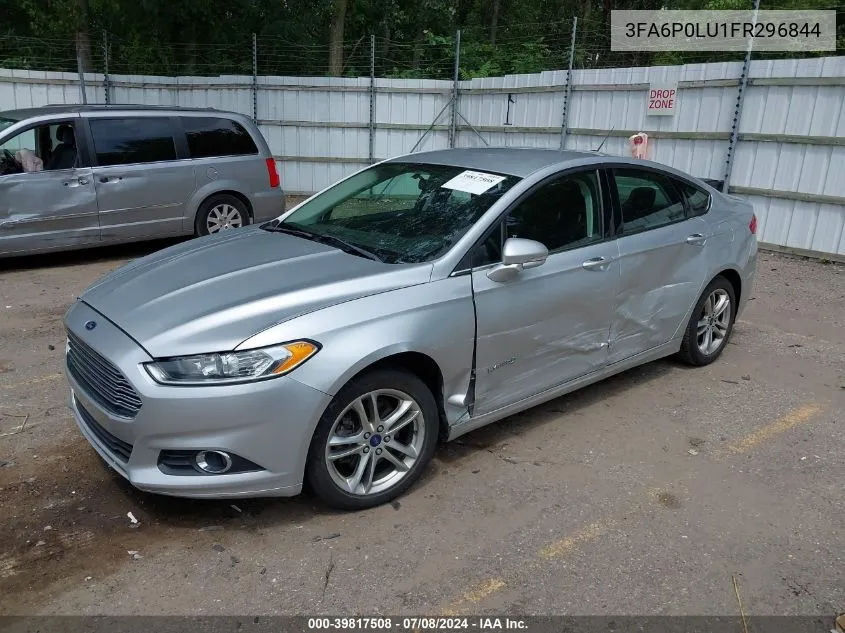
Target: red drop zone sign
<point>662,99</point>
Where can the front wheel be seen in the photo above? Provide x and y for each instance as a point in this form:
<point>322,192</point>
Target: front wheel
<point>710,325</point>
<point>373,441</point>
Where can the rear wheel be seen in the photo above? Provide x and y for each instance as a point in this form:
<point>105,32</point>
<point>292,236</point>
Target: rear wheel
<point>373,441</point>
<point>221,213</point>
<point>710,325</point>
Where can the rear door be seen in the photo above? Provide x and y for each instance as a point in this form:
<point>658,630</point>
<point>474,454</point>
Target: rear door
<point>54,206</point>
<point>662,261</point>
<point>143,177</point>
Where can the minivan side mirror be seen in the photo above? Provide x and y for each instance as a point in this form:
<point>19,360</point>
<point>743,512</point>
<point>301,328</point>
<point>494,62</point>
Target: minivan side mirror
<point>517,255</point>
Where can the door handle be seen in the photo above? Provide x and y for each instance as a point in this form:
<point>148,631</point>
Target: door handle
<point>108,179</point>
<point>75,183</point>
<point>596,263</point>
<point>696,239</point>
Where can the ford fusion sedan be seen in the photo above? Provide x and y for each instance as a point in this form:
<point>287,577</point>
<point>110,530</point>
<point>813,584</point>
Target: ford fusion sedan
<point>410,303</point>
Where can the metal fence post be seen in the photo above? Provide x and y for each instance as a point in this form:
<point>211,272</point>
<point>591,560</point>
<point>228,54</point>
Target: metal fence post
<point>254,78</point>
<point>454,123</point>
<point>740,97</point>
<point>79,70</point>
<point>564,126</point>
<point>106,87</point>
<point>372,99</point>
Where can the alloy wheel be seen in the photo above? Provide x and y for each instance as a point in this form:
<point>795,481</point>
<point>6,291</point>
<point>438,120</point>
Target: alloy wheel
<point>223,217</point>
<point>375,442</point>
<point>712,328</point>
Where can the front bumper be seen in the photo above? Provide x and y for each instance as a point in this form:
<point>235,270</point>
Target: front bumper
<point>269,423</point>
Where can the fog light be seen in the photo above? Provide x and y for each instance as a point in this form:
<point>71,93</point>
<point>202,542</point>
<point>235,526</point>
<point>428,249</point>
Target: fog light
<point>214,462</point>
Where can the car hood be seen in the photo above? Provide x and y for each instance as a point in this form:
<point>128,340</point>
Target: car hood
<point>210,294</point>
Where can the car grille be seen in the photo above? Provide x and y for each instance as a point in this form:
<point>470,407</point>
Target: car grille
<point>120,449</point>
<point>101,380</point>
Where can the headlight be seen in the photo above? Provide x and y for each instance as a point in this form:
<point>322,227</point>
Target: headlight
<point>232,367</point>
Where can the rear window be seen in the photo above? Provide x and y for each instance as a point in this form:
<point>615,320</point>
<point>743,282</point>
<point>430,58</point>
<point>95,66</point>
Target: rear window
<point>213,136</point>
<point>698,200</point>
<point>131,141</point>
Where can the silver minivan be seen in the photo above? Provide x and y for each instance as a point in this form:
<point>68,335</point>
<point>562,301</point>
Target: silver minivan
<point>79,176</point>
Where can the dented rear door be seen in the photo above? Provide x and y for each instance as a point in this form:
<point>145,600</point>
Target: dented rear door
<point>662,262</point>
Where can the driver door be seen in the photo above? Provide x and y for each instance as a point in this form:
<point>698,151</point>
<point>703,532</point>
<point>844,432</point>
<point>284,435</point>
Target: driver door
<point>48,208</point>
<point>550,324</point>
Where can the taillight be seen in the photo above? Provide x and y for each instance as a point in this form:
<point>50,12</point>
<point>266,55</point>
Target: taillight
<point>752,226</point>
<point>272,173</point>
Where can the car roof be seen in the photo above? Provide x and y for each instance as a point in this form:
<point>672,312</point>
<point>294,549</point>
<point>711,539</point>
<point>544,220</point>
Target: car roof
<point>26,113</point>
<point>502,160</point>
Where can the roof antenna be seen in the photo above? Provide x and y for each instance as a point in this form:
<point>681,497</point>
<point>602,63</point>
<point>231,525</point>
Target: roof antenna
<point>598,149</point>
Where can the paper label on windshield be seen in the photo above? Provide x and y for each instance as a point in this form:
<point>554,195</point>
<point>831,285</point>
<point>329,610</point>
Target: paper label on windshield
<point>475,182</point>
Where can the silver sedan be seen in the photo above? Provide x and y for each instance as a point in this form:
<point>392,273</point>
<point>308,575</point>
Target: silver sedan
<point>414,301</point>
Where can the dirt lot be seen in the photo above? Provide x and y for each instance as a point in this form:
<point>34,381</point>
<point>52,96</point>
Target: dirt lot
<point>641,495</point>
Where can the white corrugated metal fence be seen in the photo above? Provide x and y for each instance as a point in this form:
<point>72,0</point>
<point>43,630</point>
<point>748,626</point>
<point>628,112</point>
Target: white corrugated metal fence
<point>789,159</point>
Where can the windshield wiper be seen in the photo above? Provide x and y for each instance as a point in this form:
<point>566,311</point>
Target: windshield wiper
<point>324,239</point>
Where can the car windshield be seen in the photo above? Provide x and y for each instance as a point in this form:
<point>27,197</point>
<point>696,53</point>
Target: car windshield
<point>399,213</point>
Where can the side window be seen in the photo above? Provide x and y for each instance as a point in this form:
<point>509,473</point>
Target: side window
<point>131,141</point>
<point>43,148</point>
<point>565,213</point>
<point>209,137</point>
<point>698,201</point>
<point>648,200</point>
<point>490,250</point>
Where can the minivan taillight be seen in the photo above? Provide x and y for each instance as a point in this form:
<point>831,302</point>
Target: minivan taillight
<point>273,173</point>
<point>753,224</point>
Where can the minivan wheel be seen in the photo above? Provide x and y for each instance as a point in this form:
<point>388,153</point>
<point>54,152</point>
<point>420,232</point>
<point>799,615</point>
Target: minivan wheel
<point>710,325</point>
<point>373,441</point>
<point>221,213</point>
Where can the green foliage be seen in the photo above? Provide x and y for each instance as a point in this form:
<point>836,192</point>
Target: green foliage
<point>413,39</point>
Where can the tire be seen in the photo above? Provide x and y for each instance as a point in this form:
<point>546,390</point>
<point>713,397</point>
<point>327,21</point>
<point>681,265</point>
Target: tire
<point>418,434</point>
<point>694,349</point>
<point>221,207</point>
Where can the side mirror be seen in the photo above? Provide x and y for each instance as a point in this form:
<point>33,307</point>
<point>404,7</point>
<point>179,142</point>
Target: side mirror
<point>517,255</point>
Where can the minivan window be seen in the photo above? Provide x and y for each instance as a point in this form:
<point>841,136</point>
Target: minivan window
<point>211,136</point>
<point>130,141</point>
<point>46,147</point>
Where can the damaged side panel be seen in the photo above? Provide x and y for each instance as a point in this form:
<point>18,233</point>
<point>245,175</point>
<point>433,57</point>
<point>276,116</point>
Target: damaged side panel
<point>48,209</point>
<point>434,320</point>
<point>545,327</point>
<point>661,276</point>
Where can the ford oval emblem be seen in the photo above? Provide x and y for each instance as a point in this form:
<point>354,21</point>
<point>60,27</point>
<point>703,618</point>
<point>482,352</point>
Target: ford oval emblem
<point>90,325</point>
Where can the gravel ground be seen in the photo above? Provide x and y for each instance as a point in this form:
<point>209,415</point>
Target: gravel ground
<point>645,494</point>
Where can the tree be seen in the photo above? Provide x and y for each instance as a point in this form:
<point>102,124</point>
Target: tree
<point>494,21</point>
<point>83,39</point>
<point>307,37</point>
<point>336,37</point>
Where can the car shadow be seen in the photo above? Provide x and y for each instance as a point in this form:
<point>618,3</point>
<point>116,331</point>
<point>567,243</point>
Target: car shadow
<point>81,257</point>
<point>201,514</point>
<point>492,435</point>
